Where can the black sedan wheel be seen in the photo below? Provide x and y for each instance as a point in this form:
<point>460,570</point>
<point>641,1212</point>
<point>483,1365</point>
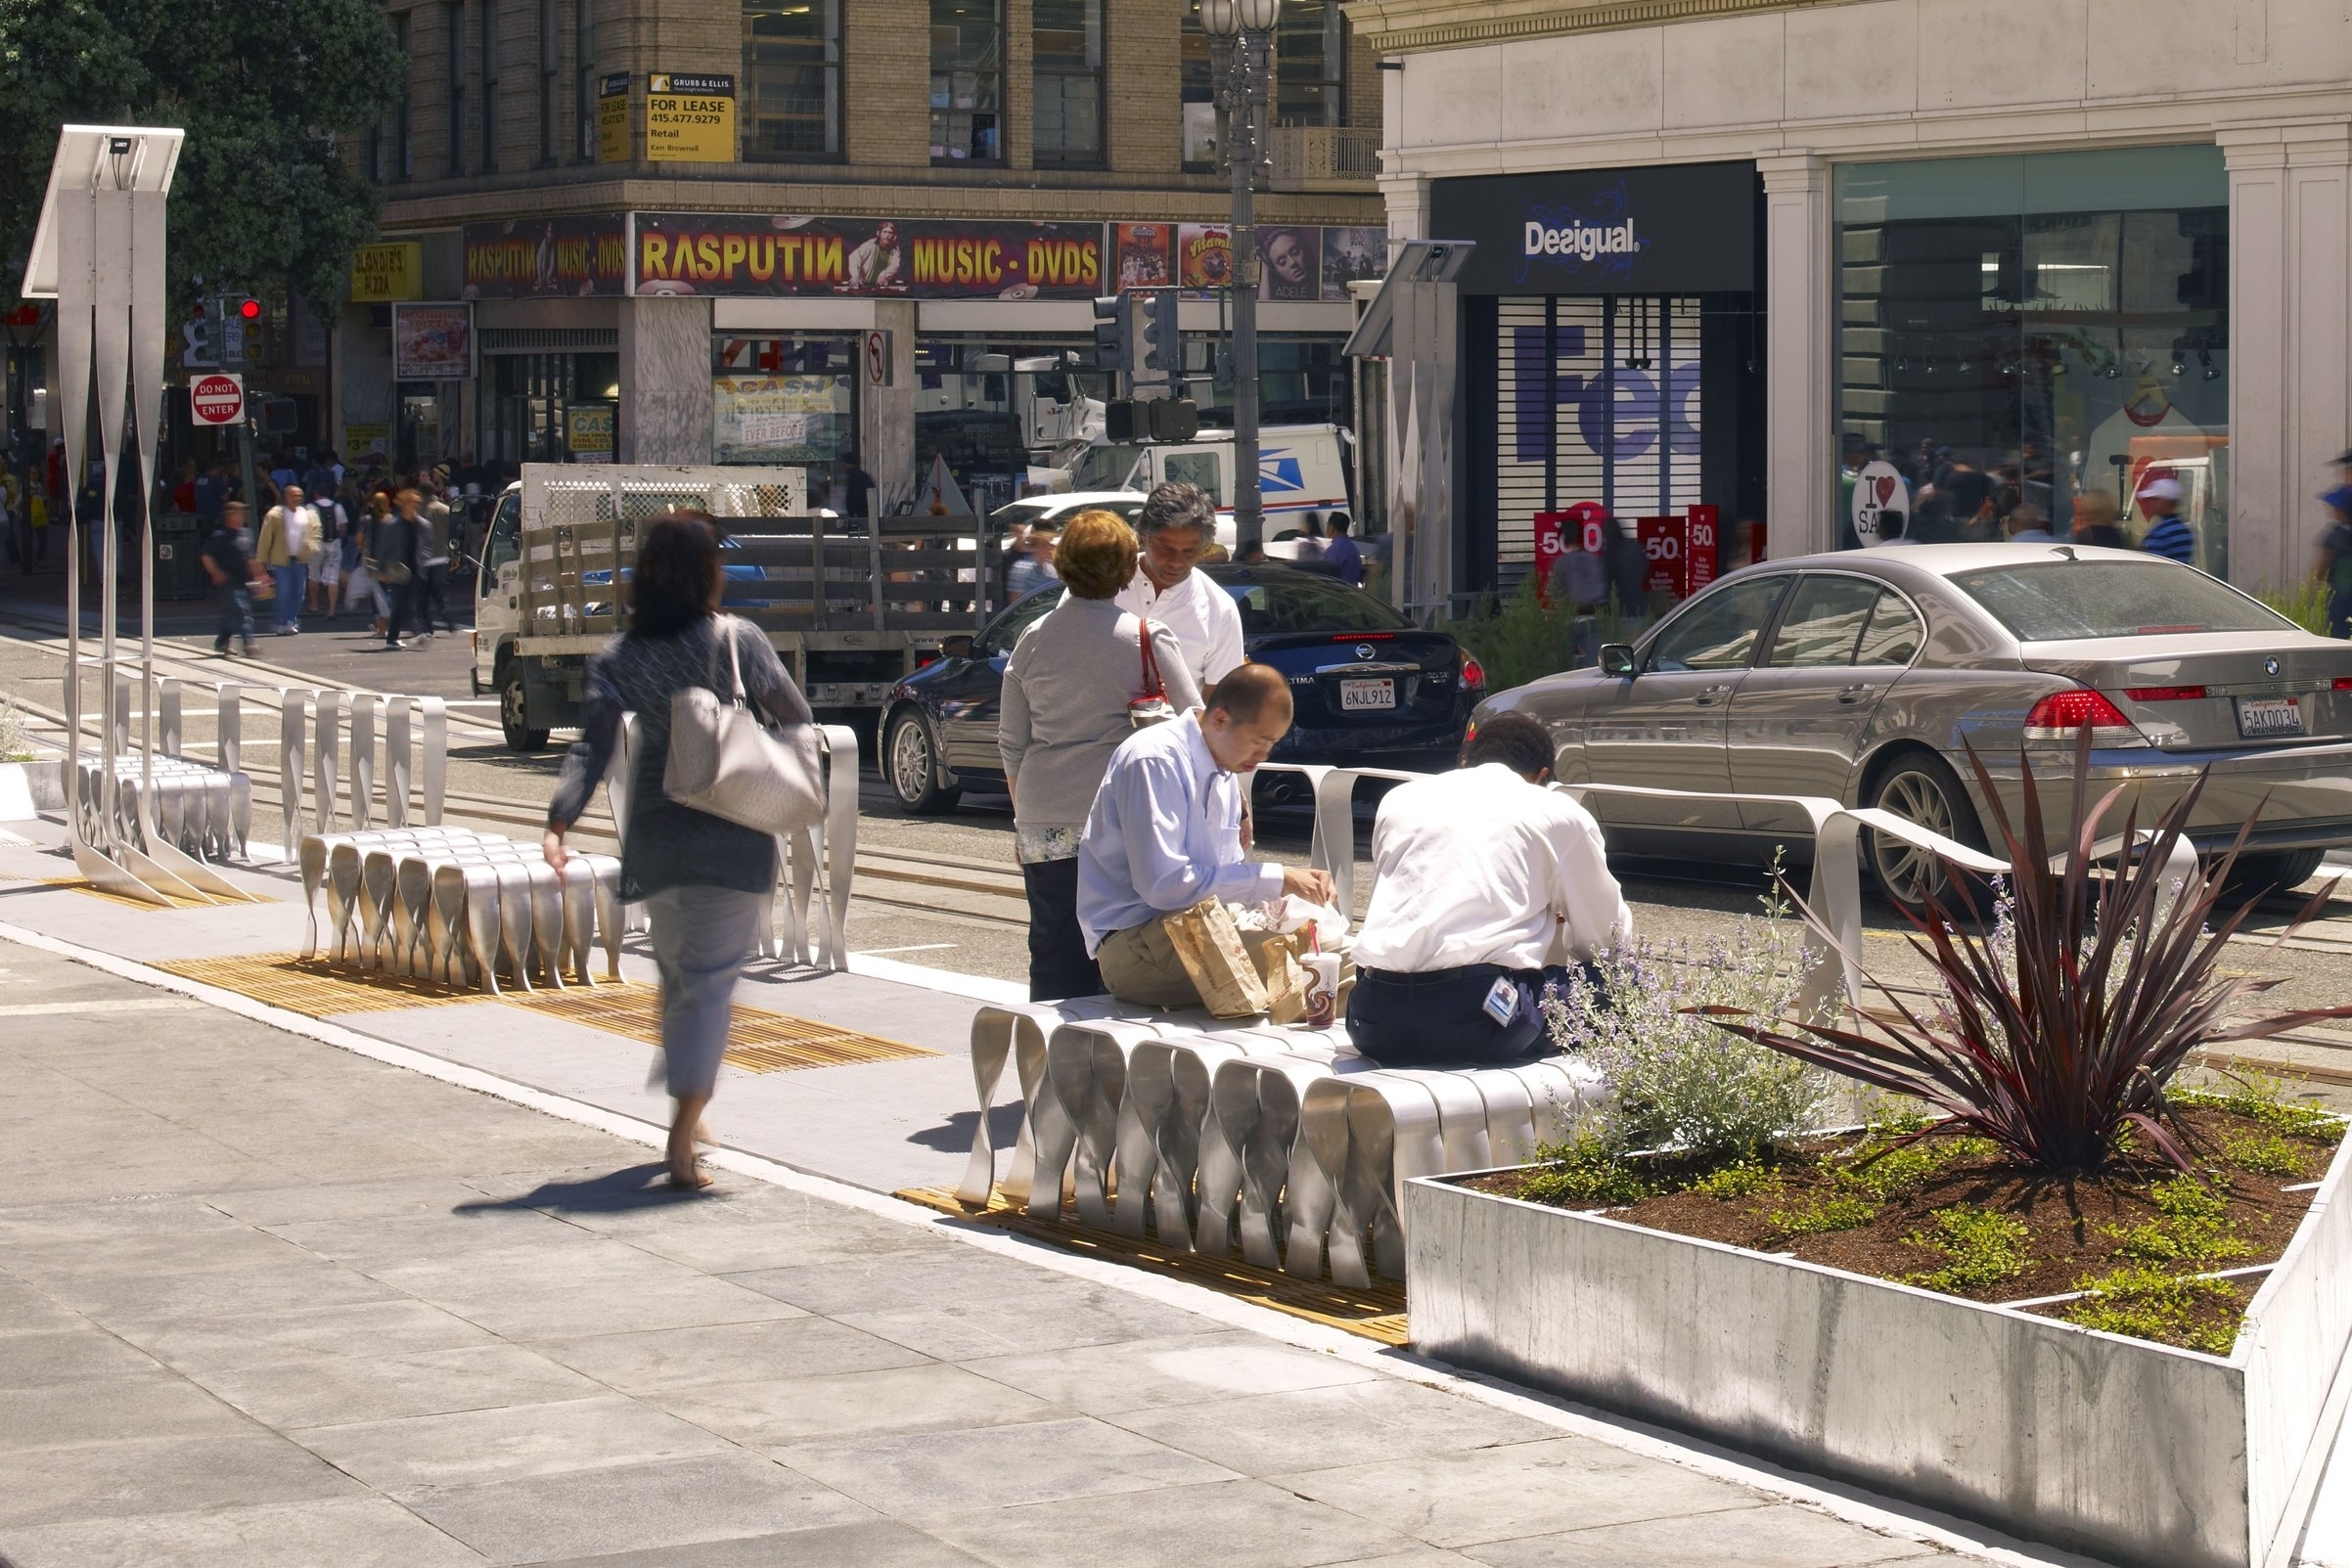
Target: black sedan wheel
<point>1921,789</point>
<point>911,763</point>
<point>2279,871</point>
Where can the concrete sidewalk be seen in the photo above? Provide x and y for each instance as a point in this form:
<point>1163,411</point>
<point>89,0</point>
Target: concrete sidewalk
<point>266,1302</point>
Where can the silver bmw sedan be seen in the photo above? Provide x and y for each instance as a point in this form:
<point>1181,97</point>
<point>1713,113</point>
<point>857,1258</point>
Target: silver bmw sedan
<point>1864,676</point>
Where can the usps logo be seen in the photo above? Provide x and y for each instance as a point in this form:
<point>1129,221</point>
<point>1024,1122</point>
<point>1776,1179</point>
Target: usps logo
<point>1599,239</point>
<point>1279,472</point>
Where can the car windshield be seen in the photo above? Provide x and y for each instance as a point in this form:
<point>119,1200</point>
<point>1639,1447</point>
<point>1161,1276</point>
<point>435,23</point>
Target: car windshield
<point>1004,517</point>
<point>1105,467</point>
<point>1298,602</point>
<point>2059,601</point>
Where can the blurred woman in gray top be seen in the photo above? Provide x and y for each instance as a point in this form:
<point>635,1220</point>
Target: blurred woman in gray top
<point>707,881</point>
<point>1067,688</point>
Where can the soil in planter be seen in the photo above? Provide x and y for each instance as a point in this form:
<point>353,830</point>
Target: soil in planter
<point>1950,1213</point>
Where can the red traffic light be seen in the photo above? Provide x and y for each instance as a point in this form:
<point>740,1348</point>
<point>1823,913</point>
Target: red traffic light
<point>250,309</point>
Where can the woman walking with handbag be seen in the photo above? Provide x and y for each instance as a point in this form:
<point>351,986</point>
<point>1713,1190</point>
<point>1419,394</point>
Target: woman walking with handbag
<point>1080,681</point>
<point>707,879</point>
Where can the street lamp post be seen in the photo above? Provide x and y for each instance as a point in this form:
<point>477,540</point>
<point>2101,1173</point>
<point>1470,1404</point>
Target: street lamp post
<point>1240,44</point>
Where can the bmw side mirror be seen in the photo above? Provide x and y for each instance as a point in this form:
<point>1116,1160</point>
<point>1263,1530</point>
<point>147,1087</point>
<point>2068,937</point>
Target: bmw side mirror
<point>956,647</point>
<point>1617,658</point>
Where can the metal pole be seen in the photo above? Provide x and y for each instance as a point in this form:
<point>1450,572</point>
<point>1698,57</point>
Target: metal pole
<point>1244,83</point>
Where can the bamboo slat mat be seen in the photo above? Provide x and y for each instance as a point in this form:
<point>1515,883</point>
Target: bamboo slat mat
<point>1377,1314</point>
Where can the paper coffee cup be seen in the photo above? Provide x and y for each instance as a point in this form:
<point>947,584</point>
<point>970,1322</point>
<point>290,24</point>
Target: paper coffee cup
<point>1322,987</point>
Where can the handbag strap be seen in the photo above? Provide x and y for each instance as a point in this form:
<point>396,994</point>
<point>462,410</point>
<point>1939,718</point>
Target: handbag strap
<point>722,630</point>
<point>1153,687</point>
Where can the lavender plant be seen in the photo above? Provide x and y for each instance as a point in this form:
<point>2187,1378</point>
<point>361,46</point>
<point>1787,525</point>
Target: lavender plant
<point>1677,1079</point>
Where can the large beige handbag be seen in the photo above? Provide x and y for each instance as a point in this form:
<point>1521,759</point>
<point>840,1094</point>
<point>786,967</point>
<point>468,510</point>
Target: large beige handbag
<point>724,761</point>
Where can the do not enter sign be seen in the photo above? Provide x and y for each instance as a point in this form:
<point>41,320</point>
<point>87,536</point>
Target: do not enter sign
<point>216,399</point>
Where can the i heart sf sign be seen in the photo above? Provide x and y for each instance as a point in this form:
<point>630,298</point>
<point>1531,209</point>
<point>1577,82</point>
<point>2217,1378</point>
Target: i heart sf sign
<point>216,399</point>
<point>1881,504</point>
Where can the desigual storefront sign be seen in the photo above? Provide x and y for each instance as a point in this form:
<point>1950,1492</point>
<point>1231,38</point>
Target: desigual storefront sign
<point>1680,229</point>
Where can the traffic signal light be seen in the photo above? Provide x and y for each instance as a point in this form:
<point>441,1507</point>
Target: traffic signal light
<point>1174,418</point>
<point>279,416</point>
<point>1162,341</point>
<point>1114,333</point>
<point>250,309</point>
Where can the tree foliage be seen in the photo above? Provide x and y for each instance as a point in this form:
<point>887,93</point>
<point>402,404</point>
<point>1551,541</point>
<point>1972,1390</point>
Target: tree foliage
<point>273,95</point>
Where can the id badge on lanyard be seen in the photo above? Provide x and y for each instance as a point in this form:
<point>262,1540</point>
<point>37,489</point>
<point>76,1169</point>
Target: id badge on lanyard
<point>1502,1002</point>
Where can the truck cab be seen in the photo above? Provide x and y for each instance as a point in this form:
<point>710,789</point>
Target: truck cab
<point>1302,476</point>
<point>496,623</point>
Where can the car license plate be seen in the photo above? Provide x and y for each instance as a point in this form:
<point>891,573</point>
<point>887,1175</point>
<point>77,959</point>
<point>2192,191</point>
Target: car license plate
<point>1362,696</point>
<point>2263,718</point>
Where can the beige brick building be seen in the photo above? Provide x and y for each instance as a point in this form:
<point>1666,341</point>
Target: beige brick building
<point>937,134</point>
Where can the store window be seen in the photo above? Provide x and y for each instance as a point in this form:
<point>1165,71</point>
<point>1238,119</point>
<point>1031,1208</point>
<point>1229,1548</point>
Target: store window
<point>792,79</point>
<point>1067,49</point>
<point>2035,340</point>
<point>782,399</point>
<point>1196,87</point>
<point>968,81</point>
<point>552,408</point>
<point>1597,398</point>
<point>1310,64</point>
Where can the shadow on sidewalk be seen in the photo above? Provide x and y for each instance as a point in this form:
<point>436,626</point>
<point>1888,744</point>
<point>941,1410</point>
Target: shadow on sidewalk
<point>638,1186</point>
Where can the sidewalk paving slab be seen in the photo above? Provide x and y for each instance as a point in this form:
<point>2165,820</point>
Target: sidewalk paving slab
<point>268,1301</point>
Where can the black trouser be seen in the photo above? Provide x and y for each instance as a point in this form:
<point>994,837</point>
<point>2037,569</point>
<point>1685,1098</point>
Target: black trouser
<point>1439,1018</point>
<point>405,599</point>
<point>437,588</point>
<point>1058,964</point>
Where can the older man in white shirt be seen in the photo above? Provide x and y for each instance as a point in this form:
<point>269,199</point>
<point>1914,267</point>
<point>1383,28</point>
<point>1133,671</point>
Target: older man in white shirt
<point>1177,523</point>
<point>1480,871</point>
<point>1165,833</point>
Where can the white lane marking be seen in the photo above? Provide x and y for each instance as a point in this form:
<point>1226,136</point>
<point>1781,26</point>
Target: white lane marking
<point>916,947</point>
<point>34,1009</point>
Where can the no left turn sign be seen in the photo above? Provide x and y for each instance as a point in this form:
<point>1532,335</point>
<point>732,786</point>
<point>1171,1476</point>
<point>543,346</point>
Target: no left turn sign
<point>216,399</point>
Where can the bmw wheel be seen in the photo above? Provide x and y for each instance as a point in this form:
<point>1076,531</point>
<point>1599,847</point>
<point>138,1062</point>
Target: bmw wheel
<point>1921,789</point>
<point>911,763</point>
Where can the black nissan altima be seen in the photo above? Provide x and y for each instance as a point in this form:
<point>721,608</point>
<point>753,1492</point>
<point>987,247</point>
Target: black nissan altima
<point>1370,689</point>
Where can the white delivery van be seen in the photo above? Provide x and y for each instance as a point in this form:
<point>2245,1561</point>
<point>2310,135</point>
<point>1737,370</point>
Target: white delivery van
<point>1302,468</point>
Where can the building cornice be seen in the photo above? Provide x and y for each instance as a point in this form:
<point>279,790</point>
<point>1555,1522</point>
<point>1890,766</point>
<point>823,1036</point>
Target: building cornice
<point>447,207</point>
<point>1409,26</point>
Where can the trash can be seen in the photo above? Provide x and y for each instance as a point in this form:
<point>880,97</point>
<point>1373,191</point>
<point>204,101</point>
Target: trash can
<point>179,542</point>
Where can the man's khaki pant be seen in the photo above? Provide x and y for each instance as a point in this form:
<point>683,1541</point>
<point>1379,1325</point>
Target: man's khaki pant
<point>1140,966</point>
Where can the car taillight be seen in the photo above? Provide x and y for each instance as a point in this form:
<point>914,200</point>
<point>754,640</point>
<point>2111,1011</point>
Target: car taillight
<point>2063,715</point>
<point>2344,683</point>
<point>2164,694</point>
<point>1474,673</point>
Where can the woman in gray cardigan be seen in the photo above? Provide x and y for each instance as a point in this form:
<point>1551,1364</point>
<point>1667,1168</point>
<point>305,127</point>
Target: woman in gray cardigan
<point>705,881</point>
<point>1066,693</point>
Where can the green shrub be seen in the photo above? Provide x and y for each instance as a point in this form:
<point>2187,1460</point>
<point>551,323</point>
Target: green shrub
<point>1520,638</point>
<point>2264,1153</point>
<point>1742,1179</point>
<point>2150,1304</point>
<point>14,745</point>
<point>2306,605</point>
<point>1677,1080</point>
<point>1984,1248</point>
<point>1817,1212</point>
<point>2270,1101</point>
<point>2192,1226</point>
<point>1587,1170</point>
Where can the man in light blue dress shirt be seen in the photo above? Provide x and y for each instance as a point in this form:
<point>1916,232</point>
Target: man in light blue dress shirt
<point>1165,833</point>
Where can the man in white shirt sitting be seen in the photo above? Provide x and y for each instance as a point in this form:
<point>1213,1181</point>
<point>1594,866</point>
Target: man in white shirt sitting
<point>1177,523</point>
<point>1165,833</point>
<point>1478,870</point>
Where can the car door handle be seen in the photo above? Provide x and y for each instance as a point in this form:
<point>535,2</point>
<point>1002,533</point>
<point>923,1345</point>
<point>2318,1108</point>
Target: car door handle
<point>1850,694</point>
<point>1711,696</point>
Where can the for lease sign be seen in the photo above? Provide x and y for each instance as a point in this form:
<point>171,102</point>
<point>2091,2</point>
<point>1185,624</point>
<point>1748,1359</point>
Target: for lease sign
<point>689,119</point>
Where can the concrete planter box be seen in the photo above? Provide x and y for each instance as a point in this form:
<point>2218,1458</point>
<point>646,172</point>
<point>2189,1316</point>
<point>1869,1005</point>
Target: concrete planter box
<point>27,788</point>
<point>2130,1451</point>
